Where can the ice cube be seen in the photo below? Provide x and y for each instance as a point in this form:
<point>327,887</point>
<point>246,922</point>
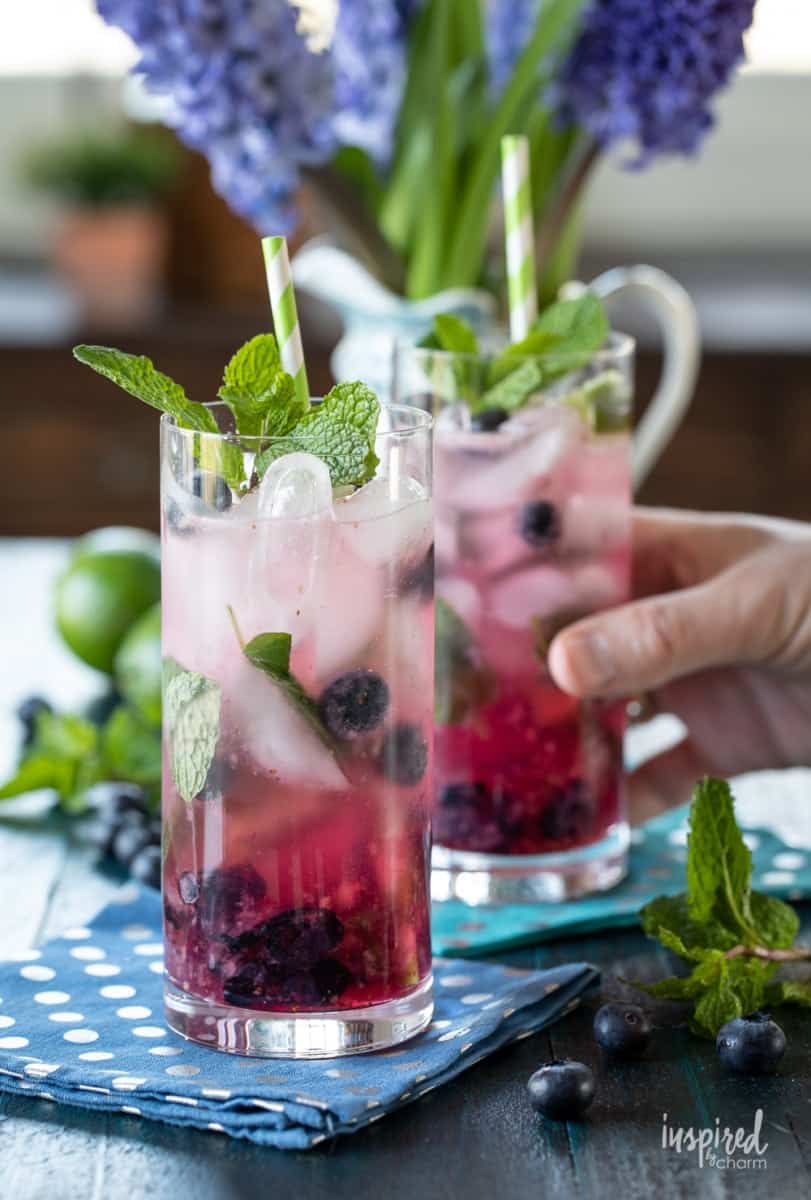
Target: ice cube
<point>453,418</point>
<point>536,592</point>
<point>486,471</point>
<point>346,605</point>
<point>462,596</point>
<point>388,520</point>
<point>592,524</point>
<point>295,486</point>
<point>276,734</point>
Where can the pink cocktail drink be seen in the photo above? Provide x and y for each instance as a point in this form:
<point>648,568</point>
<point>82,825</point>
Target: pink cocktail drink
<point>532,533</point>
<point>296,818</point>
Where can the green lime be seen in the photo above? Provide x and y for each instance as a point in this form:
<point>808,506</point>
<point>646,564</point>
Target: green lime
<point>116,538</point>
<point>138,665</point>
<point>99,597</point>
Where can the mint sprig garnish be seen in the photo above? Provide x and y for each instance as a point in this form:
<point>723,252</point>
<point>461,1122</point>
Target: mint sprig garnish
<point>259,392</point>
<point>262,398</point>
<point>735,938</point>
<point>341,431</point>
<point>191,716</point>
<point>563,339</point>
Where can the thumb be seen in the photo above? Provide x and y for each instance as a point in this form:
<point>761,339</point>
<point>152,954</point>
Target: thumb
<point>645,644</point>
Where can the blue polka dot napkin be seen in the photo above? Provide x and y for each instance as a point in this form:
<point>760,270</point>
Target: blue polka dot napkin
<point>81,1023</point>
<point>658,855</point>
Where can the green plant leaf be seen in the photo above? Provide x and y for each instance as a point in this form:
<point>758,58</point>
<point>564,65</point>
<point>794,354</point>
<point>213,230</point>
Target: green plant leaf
<point>672,913</point>
<point>580,325</point>
<point>776,923</point>
<point>748,978</point>
<point>40,771</point>
<point>137,375</point>
<point>341,431</point>
<point>191,705</point>
<point>719,865</point>
<point>270,652</point>
<point>514,389</point>
<point>454,334</point>
<point>720,1003</point>
<point>259,392</point>
<point>132,748</point>
<point>788,991</point>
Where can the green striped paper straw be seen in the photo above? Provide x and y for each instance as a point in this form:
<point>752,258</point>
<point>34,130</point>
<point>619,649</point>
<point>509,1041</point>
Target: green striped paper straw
<point>520,235</point>
<point>285,314</point>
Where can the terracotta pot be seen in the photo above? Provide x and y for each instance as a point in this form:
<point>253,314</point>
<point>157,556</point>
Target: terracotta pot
<point>113,259</point>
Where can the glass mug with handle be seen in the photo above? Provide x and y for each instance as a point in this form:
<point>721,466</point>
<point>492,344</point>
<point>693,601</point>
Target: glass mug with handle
<point>533,532</point>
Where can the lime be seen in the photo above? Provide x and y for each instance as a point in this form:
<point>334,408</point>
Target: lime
<point>138,665</point>
<point>118,538</point>
<point>99,597</point>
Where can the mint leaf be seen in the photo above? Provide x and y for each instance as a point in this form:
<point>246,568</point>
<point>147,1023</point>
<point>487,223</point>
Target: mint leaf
<point>341,431</point>
<point>454,335</point>
<point>191,705</point>
<point>514,389</point>
<point>747,978</point>
<point>40,771</point>
<point>675,987</point>
<point>461,683</point>
<point>270,652</point>
<point>259,392</point>
<point>788,991</point>
<point>719,865</point>
<point>132,748</point>
<point>603,402</point>
<point>719,1004</point>
<point>776,923</point>
<point>137,375</point>
<point>672,913</point>
<point>581,324</point>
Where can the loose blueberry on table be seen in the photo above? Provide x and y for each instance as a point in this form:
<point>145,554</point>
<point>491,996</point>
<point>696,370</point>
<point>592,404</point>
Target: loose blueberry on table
<point>622,1030</point>
<point>751,1045</point>
<point>562,1089</point>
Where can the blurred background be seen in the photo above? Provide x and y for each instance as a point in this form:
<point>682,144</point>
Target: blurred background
<point>119,238</point>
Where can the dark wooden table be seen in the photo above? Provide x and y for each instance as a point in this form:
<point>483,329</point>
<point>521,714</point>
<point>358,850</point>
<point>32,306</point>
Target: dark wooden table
<point>473,1139</point>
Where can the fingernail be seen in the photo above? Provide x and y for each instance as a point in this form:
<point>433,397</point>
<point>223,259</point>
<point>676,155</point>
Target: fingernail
<point>592,662</point>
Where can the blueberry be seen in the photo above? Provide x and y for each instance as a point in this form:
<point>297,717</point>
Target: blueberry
<point>623,1030</point>
<point>753,1044</point>
<point>354,703</point>
<point>100,710</point>
<point>489,419</point>
<point>562,1089</point>
<point>538,523</point>
<point>295,939</point>
<point>188,887</point>
<point>129,840</point>
<point>404,754</point>
<point>146,866</point>
<point>28,712</point>
<point>331,978</point>
<point>463,817</point>
<point>176,518</point>
<point>568,814</point>
<point>247,985</point>
<point>112,805</point>
<point>212,490</point>
<point>230,894</point>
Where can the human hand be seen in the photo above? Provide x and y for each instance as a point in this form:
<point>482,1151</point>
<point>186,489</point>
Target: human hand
<point>719,634</point>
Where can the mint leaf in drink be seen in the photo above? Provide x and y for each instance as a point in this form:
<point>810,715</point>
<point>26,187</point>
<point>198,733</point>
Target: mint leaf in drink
<point>259,392</point>
<point>270,652</point>
<point>515,389</point>
<point>341,431</point>
<point>137,375</point>
<point>132,748</point>
<point>454,335</point>
<point>191,714</point>
<point>580,325</point>
<point>603,402</point>
<point>462,683</point>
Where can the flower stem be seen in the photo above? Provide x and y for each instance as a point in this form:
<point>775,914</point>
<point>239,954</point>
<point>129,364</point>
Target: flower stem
<point>357,229</point>
<point>557,216</point>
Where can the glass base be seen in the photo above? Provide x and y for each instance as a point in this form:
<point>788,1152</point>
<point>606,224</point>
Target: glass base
<point>299,1035</point>
<point>527,879</point>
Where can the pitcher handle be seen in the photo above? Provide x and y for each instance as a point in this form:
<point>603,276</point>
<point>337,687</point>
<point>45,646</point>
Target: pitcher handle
<point>677,318</point>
